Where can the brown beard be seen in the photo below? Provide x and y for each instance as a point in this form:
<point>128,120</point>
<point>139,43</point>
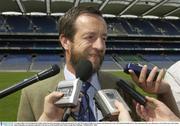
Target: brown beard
<point>76,56</point>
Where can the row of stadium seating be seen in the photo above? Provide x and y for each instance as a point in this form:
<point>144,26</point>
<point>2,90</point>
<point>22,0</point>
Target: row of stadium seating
<point>132,26</point>
<point>162,61</point>
<point>42,24</point>
<point>26,62</point>
<point>110,45</point>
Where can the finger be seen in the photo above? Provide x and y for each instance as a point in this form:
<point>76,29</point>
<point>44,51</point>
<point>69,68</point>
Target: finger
<point>161,74</point>
<point>142,77</point>
<point>119,105</point>
<point>134,76</point>
<point>159,79</point>
<point>138,111</point>
<point>144,113</point>
<point>53,97</point>
<point>134,102</point>
<point>151,76</point>
<point>154,101</point>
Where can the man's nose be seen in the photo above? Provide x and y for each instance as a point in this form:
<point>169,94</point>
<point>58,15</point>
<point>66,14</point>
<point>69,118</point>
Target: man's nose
<point>99,44</point>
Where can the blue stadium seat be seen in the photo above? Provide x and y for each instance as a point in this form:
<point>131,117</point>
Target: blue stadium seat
<point>18,24</point>
<point>158,60</point>
<point>127,26</point>
<point>109,64</point>
<point>43,61</point>
<point>142,26</point>
<point>164,27</point>
<point>44,24</point>
<point>19,62</point>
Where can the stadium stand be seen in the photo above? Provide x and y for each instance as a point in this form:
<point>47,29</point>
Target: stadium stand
<point>142,26</point>
<point>173,57</point>
<point>33,40</point>
<point>15,62</point>
<point>158,60</point>
<point>130,40</point>
<point>109,64</point>
<point>164,27</point>
<point>18,24</point>
<point>44,24</point>
<point>2,24</point>
<point>43,61</point>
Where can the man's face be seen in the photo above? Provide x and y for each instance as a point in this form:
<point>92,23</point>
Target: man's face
<point>89,40</point>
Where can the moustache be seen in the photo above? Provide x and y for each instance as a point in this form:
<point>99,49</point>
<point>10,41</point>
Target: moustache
<point>96,53</point>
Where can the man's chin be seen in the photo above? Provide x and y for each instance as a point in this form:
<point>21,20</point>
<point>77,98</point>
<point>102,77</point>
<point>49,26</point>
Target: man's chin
<point>96,65</point>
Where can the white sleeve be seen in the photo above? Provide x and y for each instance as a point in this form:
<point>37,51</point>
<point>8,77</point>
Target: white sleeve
<point>172,76</point>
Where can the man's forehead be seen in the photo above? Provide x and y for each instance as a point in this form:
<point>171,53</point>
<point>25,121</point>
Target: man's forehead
<point>84,16</point>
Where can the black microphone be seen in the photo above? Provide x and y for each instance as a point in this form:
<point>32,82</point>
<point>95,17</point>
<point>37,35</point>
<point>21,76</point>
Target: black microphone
<point>84,70</point>
<point>129,90</point>
<point>53,70</point>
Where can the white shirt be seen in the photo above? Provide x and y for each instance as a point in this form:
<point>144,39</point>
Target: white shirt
<point>172,76</point>
<point>91,91</point>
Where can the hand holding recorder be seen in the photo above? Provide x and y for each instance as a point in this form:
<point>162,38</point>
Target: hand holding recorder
<point>52,112</point>
<point>150,81</point>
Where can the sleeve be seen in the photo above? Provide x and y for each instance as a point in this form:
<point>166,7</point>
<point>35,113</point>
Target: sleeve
<point>25,112</point>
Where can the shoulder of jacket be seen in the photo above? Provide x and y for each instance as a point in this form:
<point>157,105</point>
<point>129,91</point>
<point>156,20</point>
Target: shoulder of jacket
<point>44,85</point>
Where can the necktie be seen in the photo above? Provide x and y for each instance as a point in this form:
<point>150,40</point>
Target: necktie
<point>85,112</point>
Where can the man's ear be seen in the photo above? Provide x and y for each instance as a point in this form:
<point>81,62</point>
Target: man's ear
<point>65,42</point>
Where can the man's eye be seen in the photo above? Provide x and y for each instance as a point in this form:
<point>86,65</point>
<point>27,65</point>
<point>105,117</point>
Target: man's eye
<point>104,38</point>
<point>90,37</point>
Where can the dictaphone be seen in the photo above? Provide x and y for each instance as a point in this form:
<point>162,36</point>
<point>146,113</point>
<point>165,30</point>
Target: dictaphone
<point>71,90</point>
<point>137,69</point>
<point>105,99</point>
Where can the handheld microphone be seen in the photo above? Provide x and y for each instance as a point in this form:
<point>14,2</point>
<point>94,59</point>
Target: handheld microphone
<point>84,70</point>
<point>134,94</point>
<point>53,70</point>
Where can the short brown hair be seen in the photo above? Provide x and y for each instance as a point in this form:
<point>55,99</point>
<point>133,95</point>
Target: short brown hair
<point>66,22</point>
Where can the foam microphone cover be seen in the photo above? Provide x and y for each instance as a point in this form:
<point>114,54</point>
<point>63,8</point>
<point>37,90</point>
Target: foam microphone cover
<point>84,70</point>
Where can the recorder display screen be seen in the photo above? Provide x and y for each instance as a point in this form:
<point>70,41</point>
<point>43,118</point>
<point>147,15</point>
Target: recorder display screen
<point>110,95</point>
<point>66,90</point>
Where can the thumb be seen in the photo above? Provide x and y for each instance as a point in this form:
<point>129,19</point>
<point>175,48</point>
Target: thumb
<point>154,101</point>
<point>119,105</point>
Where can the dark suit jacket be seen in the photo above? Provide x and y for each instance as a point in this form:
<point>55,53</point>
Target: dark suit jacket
<point>32,98</point>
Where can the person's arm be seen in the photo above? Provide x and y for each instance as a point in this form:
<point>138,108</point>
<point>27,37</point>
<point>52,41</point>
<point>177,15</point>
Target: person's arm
<point>123,113</point>
<point>158,111</point>
<point>51,112</point>
<point>159,86</point>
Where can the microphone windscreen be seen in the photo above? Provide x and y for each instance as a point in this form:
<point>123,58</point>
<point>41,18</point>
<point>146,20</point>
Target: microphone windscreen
<point>53,70</point>
<point>84,70</point>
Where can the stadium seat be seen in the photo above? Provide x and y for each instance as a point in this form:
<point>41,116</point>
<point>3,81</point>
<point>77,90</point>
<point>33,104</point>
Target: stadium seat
<point>18,24</point>
<point>44,24</point>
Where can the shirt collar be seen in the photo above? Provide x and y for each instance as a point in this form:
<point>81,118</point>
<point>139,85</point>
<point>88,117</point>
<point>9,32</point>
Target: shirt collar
<point>68,75</point>
<point>93,80</point>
